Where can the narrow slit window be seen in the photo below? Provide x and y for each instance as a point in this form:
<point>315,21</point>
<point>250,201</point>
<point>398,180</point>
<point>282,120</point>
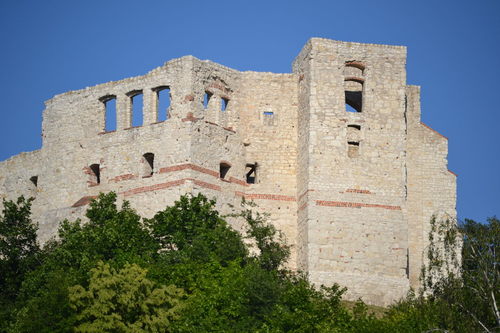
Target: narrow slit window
<point>95,175</point>
<point>251,173</point>
<point>162,103</point>
<point>148,164</point>
<point>206,99</point>
<point>109,113</point>
<point>223,104</point>
<point>136,101</point>
<point>224,169</point>
<point>352,149</point>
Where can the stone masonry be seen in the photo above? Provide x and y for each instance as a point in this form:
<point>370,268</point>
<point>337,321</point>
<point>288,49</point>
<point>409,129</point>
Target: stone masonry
<point>335,152</point>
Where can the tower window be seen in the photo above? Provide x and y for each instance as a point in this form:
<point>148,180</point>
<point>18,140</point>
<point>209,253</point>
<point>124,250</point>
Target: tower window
<point>353,149</point>
<point>353,95</point>
<point>268,118</point>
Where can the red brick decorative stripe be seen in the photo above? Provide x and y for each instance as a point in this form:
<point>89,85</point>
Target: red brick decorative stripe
<point>303,206</point>
<point>453,173</point>
<point>162,186</point>
<point>191,167</point>
<point>427,126</point>
<point>122,177</point>
<point>303,194</point>
<point>154,187</point>
<point>84,201</point>
<point>276,197</point>
<point>353,190</point>
<point>206,185</point>
<point>237,181</point>
<point>354,205</point>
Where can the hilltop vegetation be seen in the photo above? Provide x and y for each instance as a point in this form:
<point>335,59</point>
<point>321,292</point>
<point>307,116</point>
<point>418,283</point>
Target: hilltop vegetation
<point>186,270</point>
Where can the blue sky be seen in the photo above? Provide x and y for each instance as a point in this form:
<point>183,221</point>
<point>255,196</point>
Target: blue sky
<point>53,46</point>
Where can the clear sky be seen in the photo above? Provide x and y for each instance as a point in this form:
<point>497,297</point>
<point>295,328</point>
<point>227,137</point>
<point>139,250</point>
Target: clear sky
<point>53,46</point>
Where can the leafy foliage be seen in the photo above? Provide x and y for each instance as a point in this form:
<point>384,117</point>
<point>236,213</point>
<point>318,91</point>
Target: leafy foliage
<point>187,270</point>
<point>124,301</point>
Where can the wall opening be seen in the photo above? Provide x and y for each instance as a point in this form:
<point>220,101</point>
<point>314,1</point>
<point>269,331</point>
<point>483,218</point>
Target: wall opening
<point>148,164</point>
<point>34,181</point>
<point>353,95</point>
<point>223,169</point>
<point>268,118</point>
<point>354,127</point>
<point>136,103</point>
<point>353,149</point>
<point>109,112</point>
<point>251,173</point>
<point>223,103</point>
<point>95,174</point>
<point>206,99</point>
<point>163,98</point>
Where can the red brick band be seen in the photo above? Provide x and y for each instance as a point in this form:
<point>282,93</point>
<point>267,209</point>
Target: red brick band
<point>353,190</point>
<point>354,205</point>
<point>276,197</point>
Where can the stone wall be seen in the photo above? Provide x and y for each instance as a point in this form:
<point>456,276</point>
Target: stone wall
<point>334,152</point>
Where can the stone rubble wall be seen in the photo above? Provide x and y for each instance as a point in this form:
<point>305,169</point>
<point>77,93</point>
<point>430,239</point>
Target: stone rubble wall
<point>353,192</point>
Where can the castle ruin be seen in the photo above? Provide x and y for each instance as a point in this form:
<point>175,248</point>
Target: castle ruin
<point>335,152</point>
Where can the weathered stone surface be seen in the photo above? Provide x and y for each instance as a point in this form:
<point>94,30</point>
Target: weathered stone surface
<point>352,191</point>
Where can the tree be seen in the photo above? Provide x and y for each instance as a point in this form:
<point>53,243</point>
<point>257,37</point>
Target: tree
<point>124,301</point>
<point>18,245</point>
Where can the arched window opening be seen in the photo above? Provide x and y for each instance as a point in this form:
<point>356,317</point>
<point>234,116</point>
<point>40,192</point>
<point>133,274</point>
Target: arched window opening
<point>163,98</point>
<point>224,169</point>
<point>251,173</point>
<point>148,164</point>
<point>109,102</point>
<point>94,175</point>
<point>34,181</point>
<point>136,106</point>
<point>206,99</point>
<point>353,96</point>
<point>223,103</point>
<point>354,68</point>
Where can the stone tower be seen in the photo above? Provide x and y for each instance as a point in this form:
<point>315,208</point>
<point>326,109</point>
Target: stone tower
<point>335,152</point>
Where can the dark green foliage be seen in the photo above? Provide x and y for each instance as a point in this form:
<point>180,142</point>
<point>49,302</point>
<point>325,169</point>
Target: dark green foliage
<point>110,275</point>
<point>18,245</point>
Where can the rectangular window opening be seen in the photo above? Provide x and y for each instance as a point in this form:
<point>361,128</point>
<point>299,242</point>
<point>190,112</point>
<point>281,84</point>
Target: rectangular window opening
<point>137,102</point>
<point>268,118</point>
<point>223,170</point>
<point>352,149</point>
<point>206,99</point>
<point>110,113</point>
<point>95,175</point>
<point>251,173</point>
<point>162,103</point>
<point>223,104</point>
